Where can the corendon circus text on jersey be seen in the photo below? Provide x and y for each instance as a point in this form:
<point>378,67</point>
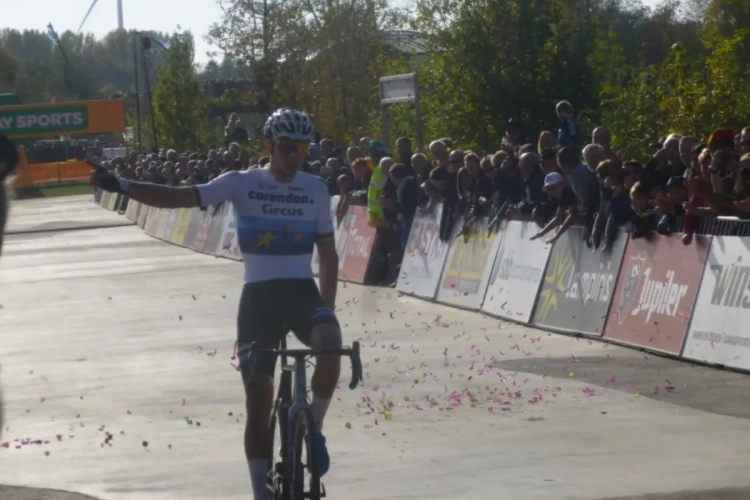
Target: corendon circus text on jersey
<point>280,198</point>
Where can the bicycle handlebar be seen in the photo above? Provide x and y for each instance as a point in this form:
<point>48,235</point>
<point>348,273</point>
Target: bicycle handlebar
<point>353,353</point>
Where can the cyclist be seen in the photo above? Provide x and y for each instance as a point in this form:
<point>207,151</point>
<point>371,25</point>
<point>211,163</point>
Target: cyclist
<point>281,214</point>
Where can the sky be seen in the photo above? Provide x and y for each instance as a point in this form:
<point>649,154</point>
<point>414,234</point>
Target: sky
<point>158,15</point>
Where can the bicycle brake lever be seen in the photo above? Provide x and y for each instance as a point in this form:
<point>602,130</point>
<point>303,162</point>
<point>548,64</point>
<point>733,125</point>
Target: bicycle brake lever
<point>356,366</point>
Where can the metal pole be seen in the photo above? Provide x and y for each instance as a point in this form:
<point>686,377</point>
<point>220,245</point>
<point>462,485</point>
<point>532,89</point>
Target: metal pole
<point>386,125</point>
<point>136,35</point>
<point>150,104</point>
<point>418,111</point>
<point>120,23</point>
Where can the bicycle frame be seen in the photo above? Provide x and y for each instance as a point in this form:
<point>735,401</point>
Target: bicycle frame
<point>293,393</point>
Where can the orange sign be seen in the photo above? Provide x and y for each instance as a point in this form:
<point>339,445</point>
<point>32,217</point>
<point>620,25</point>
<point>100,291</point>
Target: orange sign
<point>65,118</point>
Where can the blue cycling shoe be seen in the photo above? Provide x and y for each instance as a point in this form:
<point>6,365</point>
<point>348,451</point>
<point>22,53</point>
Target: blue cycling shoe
<point>324,461</point>
<point>319,442</point>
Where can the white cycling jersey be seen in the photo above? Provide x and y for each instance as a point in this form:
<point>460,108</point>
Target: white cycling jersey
<point>277,223</point>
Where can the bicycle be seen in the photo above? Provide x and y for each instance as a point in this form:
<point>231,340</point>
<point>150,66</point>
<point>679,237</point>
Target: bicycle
<point>286,478</point>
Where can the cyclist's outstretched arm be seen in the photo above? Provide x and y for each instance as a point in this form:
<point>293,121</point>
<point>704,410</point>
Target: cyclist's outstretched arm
<point>221,189</point>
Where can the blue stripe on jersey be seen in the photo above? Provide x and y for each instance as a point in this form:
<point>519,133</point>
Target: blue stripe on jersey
<point>271,224</point>
<point>285,242</point>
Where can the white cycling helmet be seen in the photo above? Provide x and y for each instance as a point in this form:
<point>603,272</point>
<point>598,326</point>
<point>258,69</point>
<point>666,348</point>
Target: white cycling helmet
<point>291,125</point>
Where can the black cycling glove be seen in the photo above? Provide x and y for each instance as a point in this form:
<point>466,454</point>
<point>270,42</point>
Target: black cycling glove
<point>107,181</point>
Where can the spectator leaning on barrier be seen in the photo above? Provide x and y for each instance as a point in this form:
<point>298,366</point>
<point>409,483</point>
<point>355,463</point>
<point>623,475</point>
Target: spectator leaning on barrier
<point>404,152</point>
<point>509,189</point>
<point>406,200</point>
<point>533,180</point>
<point>565,202</point>
<point>422,169</point>
<point>614,208</point>
<point>583,182</point>
<point>645,219</point>
<point>478,191</point>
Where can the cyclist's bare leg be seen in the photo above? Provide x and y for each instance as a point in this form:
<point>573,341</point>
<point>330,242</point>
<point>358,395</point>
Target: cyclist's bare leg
<point>327,369</point>
<point>258,405</point>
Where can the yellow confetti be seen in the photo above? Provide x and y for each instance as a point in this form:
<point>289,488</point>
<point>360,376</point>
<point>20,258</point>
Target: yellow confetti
<point>387,415</point>
<point>570,374</point>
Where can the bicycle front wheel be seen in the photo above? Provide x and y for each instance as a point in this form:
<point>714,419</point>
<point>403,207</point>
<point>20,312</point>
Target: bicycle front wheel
<point>304,453</point>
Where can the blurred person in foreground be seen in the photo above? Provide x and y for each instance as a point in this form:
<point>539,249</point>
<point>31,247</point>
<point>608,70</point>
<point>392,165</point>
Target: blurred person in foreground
<point>8,162</point>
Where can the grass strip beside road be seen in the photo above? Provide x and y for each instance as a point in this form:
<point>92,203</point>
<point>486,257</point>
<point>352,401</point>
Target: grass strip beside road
<point>55,190</point>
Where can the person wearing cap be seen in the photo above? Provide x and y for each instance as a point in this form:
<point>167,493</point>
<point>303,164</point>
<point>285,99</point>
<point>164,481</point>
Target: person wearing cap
<point>563,196</point>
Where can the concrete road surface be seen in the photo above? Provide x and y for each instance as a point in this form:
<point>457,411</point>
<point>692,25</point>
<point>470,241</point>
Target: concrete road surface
<point>118,378</point>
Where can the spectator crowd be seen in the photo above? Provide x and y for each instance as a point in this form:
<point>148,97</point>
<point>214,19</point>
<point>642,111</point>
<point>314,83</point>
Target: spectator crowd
<point>556,180</point>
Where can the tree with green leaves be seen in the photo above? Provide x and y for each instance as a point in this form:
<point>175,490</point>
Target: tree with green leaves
<point>8,72</point>
<point>180,105</point>
<point>316,55</point>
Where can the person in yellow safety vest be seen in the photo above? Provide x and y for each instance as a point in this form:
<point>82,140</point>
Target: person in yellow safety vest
<point>375,216</point>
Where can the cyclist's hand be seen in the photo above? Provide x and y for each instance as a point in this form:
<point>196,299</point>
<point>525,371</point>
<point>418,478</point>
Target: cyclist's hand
<point>101,178</point>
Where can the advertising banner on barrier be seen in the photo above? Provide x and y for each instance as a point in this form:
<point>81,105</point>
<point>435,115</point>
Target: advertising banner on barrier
<point>137,211</point>
<point>230,245</point>
<point>424,258</point>
<point>112,201</point>
<point>656,291</point>
<point>104,199</point>
<point>147,217</point>
<point>199,241</point>
<point>130,212</point>
<point>468,266</point>
<point>578,284</point>
<point>315,261</point>
<point>354,244</point>
<point>196,218</point>
<point>161,226</point>
<point>719,331</point>
<point>517,273</point>
<point>181,225</point>
<point>218,221</point>
<point>171,223</point>
<point>143,217</point>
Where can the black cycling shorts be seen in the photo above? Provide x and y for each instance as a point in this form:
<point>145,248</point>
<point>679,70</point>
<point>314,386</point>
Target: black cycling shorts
<point>269,310</point>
